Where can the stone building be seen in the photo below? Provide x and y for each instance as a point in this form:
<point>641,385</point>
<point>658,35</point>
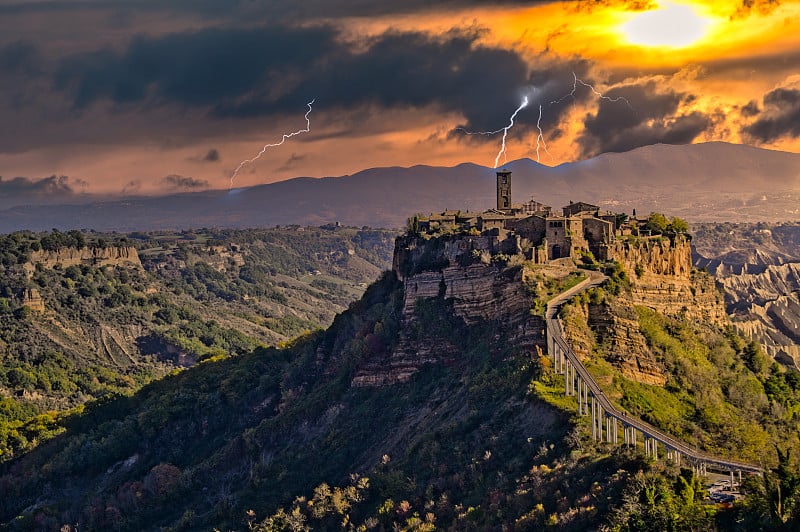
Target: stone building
<point>581,228</point>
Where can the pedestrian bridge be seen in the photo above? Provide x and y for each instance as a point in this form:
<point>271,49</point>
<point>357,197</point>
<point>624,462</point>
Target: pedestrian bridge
<point>608,422</point>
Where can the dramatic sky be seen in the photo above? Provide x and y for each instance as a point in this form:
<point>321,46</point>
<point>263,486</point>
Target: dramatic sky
<point>144,96</point>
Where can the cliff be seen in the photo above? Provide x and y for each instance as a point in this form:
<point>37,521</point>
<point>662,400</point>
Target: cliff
<point>455,275</point>
<point>661,278</point>
<point>65,257</point>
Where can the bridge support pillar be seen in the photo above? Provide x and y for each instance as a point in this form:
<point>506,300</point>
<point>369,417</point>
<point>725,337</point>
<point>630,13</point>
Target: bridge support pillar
<point>567,375</point>
<point>600,415</point>
<point>572,380</point>
<point>731,478</point>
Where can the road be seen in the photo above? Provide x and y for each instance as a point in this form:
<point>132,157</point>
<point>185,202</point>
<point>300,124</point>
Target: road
<point>554,329</point>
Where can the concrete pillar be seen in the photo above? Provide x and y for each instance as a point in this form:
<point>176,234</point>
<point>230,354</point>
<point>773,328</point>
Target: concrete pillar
<point>566,381</point>
<point>614,420</point>
<point>740,478</point>
<point>731,478</point>
<point>600,414</point>
<point>594,422</point>
<point>655,449</point>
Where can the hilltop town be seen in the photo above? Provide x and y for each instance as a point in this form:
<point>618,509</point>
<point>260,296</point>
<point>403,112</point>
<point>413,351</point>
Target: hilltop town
<point>543,235</point>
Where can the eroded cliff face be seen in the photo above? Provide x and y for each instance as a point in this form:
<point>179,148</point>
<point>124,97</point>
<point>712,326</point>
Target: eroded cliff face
<point>459,273</point>
<point>662,278</point>
<point>614,327</point>
<point>766,306</point>
<point>111,256</point>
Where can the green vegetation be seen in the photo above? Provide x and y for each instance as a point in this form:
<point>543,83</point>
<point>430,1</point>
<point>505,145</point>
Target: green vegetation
<point>659,224</point>
<point>269,440</point>
<point>108,327</point>
<point>722,394</point>
<point>544,285</point>
<point>276,438</point>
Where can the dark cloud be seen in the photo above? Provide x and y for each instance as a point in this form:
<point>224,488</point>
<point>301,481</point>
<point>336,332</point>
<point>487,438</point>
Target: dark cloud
<point>251,10</point>
<point>19,57</point>
<point>750,109</point>
<point>53,186</point>
<point>268,70</point>
<point>291,162</point>
<point>211,156</point>
<point>651,117</point>
<point>181,182</point>
<point>131,187</point>
<point>780,118</point>
<point>200,68</point>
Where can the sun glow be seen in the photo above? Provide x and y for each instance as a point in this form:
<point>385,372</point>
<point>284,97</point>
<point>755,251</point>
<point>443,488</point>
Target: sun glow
<point>672,25</point>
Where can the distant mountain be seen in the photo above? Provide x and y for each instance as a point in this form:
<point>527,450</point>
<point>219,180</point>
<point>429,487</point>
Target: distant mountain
<point>701,182</point>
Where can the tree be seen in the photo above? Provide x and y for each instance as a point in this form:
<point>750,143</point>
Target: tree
<point>678,225</point>
<point>657,223</point>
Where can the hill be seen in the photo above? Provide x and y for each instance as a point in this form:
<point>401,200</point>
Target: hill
<point>711,182</point>
<point>428,404</point>
<point>85,316</point>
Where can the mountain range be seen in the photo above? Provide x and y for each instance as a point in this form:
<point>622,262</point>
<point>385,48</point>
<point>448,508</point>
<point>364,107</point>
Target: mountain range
<point>700,182</point>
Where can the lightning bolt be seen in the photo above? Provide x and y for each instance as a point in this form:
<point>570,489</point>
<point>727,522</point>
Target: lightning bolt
<point>284,138</point>
<point>571,94</point>
<point>504,130</point>
<point>540,142</point>
<point>502,151</point>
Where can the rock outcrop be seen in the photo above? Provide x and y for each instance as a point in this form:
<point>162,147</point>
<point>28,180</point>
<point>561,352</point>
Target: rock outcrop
<point>662,278</point>
<point>766,306</point>
<point>65,257</point>
<point>460,272</point>
<point>32,299</point>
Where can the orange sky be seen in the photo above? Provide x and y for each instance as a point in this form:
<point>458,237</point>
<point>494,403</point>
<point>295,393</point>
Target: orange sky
<point>75,109</point>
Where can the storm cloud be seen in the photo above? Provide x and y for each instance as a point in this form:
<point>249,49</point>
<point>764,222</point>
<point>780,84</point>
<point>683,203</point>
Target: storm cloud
<point>180,182</point>
<point>236,74</point>
<point>780,118</point>
<point>649,117</point>
<point>52,189</point>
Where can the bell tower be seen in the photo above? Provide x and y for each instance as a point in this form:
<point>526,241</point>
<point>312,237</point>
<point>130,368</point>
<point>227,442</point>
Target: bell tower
<point>503,190</point>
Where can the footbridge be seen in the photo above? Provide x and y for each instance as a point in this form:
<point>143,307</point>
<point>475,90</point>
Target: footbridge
<point>608,422</point>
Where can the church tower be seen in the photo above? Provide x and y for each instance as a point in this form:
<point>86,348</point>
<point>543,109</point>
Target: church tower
<point>503,190</point>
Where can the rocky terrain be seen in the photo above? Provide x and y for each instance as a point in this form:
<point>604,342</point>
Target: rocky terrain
<point>758,265</point>
<point>659,276</point>
<point>458,273</point>
<point>428,404</point>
